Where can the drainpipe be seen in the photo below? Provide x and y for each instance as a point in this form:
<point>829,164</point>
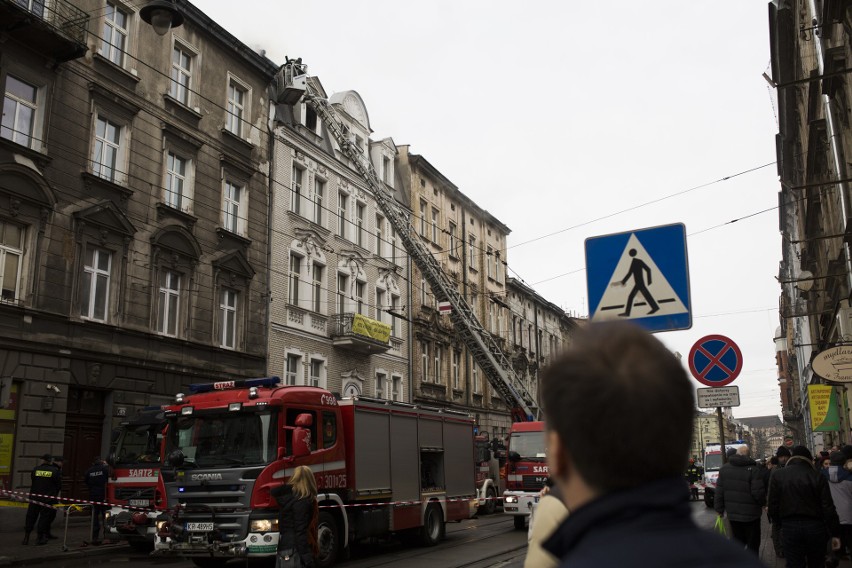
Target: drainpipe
<point>468,385</point>
<point>270,216</point>
<point>835,143</point>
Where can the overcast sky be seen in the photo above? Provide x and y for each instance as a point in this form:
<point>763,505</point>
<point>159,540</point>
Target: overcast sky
<point>568,121</point>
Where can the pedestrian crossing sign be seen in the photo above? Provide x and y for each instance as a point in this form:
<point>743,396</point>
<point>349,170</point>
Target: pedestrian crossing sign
<point>641,276</point>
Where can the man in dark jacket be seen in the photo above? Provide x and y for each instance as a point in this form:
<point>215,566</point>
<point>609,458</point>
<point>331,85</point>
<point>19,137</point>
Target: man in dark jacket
<point>96,480</point>
<point>617,374</point>
<point>45,487</point>
<point>740,493</point>
<point>800,500</point>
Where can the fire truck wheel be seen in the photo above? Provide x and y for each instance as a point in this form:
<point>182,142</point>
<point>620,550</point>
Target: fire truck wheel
<point>520,522</point>
<point>209,562</point>
<point>328,538</point>
<point>490,502</point>
<point>433,526</point>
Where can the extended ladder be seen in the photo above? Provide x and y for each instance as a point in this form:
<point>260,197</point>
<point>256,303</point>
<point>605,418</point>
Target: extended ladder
<point>292,86</point>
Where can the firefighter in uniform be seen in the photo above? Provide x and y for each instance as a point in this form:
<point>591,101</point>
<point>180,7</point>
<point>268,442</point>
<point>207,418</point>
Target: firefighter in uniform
<point>693,476</point>
<point>46,484</point>
<point>96,480</point>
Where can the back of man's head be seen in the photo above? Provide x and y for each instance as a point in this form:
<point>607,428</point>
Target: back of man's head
<point>617,387</point>
<point>742,451</point>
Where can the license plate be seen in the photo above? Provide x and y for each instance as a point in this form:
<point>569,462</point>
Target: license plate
<point>139,502</point>
<point>199,527</point>
<point>536,498</point>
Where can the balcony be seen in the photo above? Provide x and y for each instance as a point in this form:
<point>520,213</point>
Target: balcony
<point>56,28</point>
<point>359,333</point>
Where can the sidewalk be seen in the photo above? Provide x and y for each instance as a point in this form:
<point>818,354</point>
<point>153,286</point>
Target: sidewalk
<point>767,550</point>
<point>75,541</point>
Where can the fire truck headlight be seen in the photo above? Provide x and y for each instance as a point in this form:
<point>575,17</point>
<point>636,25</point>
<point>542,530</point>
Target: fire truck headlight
<point>264,525</point>
<point>162,524</point>
<point>511,499</point>
<point>107,515</point>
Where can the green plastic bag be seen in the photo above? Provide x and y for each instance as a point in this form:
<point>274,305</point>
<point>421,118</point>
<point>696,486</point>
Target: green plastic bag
<point>719,527</point>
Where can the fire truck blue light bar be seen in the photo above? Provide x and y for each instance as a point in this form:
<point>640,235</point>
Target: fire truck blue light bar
<point>235,384</point>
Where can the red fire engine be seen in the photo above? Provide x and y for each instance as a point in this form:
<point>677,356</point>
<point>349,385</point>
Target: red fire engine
<point>525,470</point>
<point>381,467</point>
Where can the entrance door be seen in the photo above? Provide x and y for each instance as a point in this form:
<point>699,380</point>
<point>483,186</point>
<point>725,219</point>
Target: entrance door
<point>83,430</point>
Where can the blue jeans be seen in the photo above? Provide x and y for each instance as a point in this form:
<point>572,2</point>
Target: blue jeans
<point>805,542</point>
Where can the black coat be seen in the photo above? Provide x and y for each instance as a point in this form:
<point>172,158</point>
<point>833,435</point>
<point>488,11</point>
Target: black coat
<point>294,521</point>
<point>96,480</point>
<point>46,480</point>
<point>739,490</point>
<point>798,490</point>
<point>647,527</point>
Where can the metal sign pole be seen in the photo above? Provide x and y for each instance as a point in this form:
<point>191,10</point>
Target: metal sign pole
<point>722,434</point>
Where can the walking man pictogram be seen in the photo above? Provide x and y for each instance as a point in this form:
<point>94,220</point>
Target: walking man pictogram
<point>637,270</point>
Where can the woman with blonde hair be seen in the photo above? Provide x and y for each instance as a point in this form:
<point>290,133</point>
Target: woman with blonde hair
<point>298,515</point>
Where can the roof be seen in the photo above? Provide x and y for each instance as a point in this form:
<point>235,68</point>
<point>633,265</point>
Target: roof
<point>762,421</point>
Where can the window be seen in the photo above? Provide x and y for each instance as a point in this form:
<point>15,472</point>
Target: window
<point>96,280</point>
<point>319,195</point>
<point>296,191</point>
<point>342,204</point>
<point>359,297</point>
<point>434,225</point>
<point>381,385</point>
<point>489,259</point>
<point>424,294</point>
<point>114,34</point>
<point>237,98</point>
<point>108,151</point>
<point>291,371</point>
<point>451,230</point>
<point>295,279</point>
<point>228,318</point>
<point>20,108</point>
<point>396,394</point>
<point>231,201</point>
<point>393,246</point>
<point>360,210</point>
<point>386,170</point>
<point>491,317</point>
<point>11,253</point>
<point>437,375</point>
<point>342,288</point>
<point>423,219</point>
<point>474,379</point>
<point>471,248</point>
<point>394,321</point>
<point>169,303</point>
<point>497,263</point>
<point>424,362</point>
<point>329,429</point>
<point>456,371</point>
<point>315,379</point>
<point>381,315</point>
<point>182,60</point>
<point>380,231</point>
<point>177,182</point>
<point>316,287</point>
<point>311,121</point>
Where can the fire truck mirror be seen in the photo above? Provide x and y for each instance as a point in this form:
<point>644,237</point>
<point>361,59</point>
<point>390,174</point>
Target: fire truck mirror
<point>514,456</point>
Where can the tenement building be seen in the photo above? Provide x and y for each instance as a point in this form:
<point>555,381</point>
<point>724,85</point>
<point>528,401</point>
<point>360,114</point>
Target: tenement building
<point>133,221</point>
<point>339,279</point>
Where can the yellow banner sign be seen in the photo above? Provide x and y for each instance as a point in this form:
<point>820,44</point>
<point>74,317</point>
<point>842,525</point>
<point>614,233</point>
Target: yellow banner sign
<point>367,327</point>
<point>823,404</point>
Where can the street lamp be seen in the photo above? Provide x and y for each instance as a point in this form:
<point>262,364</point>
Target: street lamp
<point>163,15</point>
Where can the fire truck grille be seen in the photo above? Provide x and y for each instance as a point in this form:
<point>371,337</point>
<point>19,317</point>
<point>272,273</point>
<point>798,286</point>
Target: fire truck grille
<point>533,482</point>
<point>125,493</point>
<point>208,500</point>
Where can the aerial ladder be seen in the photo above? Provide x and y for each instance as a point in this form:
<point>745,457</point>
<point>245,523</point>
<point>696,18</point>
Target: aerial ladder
<point>291,86</point>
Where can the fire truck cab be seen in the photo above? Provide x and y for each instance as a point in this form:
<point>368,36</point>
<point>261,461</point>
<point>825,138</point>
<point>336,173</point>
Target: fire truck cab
<point>526,470</point>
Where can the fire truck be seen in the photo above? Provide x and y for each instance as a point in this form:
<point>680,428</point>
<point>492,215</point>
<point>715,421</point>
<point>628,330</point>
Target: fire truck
<point>525,470</point>
<point>135,486</point>
<point>381,467</point>
<point>713,461</point>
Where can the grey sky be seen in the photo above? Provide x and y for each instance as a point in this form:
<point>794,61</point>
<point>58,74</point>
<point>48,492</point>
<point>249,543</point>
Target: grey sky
<point>553,114</point>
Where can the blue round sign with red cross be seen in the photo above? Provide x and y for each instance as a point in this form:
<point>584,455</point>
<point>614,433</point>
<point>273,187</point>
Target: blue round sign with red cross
<point>715,360</point>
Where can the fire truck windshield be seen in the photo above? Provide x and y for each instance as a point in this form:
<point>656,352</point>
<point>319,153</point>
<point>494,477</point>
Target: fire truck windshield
<point>529,445</point>
<point>225,439</point>
<point>137,444</point>
<point>712,462</point>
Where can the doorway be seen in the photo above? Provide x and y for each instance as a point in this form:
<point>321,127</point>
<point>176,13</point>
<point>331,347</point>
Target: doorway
<point>83,436</point>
